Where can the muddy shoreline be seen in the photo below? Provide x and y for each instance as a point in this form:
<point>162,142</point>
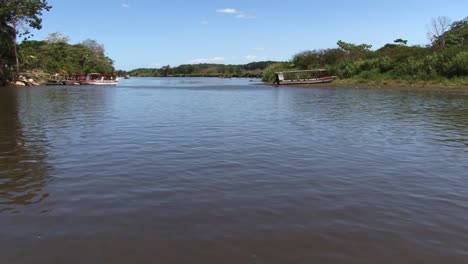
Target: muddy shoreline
<point>394,87</point>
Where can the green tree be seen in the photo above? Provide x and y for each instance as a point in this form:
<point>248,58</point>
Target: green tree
<point>6,46</point>
<point>57,37</point>
<point>21,16</point>
<point>355,51</point>
<point>401,41</point>
<point>166,70</point>
<point>61,57</point>
<point>457,35</point>
<point>353,48</point>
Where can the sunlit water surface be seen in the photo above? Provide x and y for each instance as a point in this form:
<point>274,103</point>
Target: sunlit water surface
<point>163,170</point>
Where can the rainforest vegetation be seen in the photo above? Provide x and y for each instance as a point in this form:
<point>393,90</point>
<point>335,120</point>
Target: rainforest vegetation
<point>444,60</point>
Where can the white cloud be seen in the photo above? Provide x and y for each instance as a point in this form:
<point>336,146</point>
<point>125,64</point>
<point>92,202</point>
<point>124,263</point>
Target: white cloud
<point>227,11</point>
<point>207,60</point>
<point>251,57</point>
<point>236,13</point>
<point>125,5</point>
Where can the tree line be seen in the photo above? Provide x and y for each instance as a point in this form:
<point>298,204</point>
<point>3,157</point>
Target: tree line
<point>445,58</point>
<point>254,69</point>
<point>56,55</point>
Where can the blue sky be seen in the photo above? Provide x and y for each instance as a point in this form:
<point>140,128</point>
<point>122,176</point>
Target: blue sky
<point>144,33</point>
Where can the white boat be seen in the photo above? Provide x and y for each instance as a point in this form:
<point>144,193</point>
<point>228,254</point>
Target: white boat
<point>99,79</point>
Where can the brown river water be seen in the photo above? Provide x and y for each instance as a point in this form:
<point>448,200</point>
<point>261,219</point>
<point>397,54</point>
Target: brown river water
<point>224,171</point>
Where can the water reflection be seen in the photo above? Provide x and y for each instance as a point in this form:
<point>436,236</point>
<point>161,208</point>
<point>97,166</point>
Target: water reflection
<point>23,167</point>
<point>187,82</point>
<point>319,173</point>
<point>436,118</point>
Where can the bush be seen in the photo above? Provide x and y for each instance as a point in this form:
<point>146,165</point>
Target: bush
<point>269,73</point>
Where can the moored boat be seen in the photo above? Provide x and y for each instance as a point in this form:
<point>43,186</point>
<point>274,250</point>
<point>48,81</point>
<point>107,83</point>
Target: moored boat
<point>83,79</point>
<point>73,79</point>
<point>304,77</point>
<point>99,79</point>
<point>56,79</point>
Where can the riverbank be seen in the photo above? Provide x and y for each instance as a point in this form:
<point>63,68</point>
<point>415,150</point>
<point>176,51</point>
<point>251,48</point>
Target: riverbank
<point>401,85</point>
<point>405,85</point>
<point>29,79</point>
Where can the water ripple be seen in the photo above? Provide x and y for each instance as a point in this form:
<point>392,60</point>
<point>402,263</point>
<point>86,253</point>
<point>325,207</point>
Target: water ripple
<point>333,175</point>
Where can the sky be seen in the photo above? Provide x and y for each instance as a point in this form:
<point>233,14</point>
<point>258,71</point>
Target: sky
<point>153,33</point>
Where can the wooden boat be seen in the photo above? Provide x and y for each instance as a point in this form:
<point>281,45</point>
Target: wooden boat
<point>56,79</point>
<point>99,79</point>
<point>304,77</point>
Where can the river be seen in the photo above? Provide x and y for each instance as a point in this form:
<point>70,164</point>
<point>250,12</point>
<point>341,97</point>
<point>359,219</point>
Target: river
<point>227,171</point>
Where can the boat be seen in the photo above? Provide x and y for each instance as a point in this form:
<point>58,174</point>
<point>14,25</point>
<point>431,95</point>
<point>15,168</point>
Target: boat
<point>314,76</point>
<point>127,76</point>
<point>83,79</point>
<point>55,79</point>
<point>98,79</point>
<point>73,79</point>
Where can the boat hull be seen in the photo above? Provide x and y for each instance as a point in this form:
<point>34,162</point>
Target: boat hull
<point>54,82</point>
<point>309,81</point>
<point>98,83</point>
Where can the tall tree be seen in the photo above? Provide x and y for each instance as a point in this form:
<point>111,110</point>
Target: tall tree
<point>5,48</point>
<point>437,28</point>
<point>21,16</point>
<point>401,41</point>
<point>458,33</point>
<point>57,37</point>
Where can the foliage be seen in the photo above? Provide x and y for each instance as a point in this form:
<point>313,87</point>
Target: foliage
<point>18,17</point>
<point>6,54</point>
<point>269,73</point>
<point>353,48</point>
<point>437,29</point>
<point>401,41</point>
<point>446,58</point>
<point>55,55</point>
<point>457,35</point>
<point>25,12</point>
<point>253,69</point>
